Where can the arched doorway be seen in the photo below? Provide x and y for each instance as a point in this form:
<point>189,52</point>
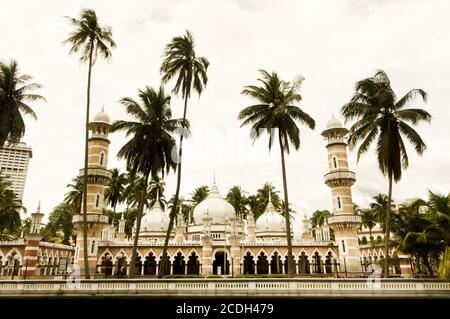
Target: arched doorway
<point>286,265</point>
<point>249,264</point>
<point>166,266</point>
<point>329,263</point>
<point>220,259</point>
<point>107,265</point>
<point>138,266</point>
<point>262,265</point>
<point>276,264</point>
<point>150,265</point>
<point>317,263</point>
<point>193,265</point>
<point>303,264</point>
<point>178,264</point>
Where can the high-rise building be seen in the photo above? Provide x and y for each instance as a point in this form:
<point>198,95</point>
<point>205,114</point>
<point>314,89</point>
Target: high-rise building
<point>14,161</point>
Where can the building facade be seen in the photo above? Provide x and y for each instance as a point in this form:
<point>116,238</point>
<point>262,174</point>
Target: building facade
<point>216,241</point>
<point>14,161</point>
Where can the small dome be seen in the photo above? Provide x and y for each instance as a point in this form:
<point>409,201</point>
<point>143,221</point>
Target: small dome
<point>155,220</point>
<point>271,220</point>
<point>214,205</point>
<point>102,117</point>
<point>334,123</point>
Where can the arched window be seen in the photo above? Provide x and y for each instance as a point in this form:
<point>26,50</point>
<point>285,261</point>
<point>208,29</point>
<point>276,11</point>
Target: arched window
<point>335,164</point>
<point>97,200</point>
<point>339,202</point>
<point>102,158</point>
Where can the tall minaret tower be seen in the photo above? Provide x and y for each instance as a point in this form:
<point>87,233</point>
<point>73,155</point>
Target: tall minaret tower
<point>340,179</point>
<point>98,177</point>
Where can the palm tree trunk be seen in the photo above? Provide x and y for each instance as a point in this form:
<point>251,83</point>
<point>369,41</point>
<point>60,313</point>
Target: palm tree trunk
<point>85,177</point>
<point>175,200</point>
<point>286,210</point>
<point>388,229</point>
<point>426,262</point>
<point>138,227</point>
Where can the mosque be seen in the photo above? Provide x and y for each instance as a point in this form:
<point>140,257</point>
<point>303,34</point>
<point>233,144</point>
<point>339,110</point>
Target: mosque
<point>216,241</point>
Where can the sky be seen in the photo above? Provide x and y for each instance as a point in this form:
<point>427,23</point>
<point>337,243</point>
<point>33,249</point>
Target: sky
<point>332,44</point>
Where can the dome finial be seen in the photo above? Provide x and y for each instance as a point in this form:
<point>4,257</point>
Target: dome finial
<point>39,207</point>
<point>214,177</point>
<point>157,194</point>
<point>270,196</point>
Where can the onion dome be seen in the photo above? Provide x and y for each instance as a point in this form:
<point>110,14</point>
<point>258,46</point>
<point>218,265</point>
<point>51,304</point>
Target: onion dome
<point>271,220</point>
<point>334,123</point>
<point>216,206</point>
<point>155,220</point>
<point>102,117</point>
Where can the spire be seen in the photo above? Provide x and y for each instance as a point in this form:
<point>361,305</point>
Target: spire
<point>157,194</point>
<point>39,207</point>
<point>121,216</point>
<point>103,107</point>
<point>270,196</point>
<point>214,177</point>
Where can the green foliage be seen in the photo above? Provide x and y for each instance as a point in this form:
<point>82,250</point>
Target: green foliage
<point>319,217</point>
<point>114,190</point>
<point>15,93</point>
<point>237,197</point>
<point>9,209</point>
<point>60,220</point>
<point>75,194</point>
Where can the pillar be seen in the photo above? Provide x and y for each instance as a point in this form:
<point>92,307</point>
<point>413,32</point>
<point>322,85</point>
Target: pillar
<point>32,244</point>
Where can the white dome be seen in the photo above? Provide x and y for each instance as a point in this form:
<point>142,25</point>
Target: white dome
<point>217,208</point>
<point>155,220</point>
<point>102,117</point>
<point>270,221</point>
<point>334,123</point>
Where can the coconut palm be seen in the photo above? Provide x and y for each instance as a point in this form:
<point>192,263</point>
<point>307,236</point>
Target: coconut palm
<point>156,192</point>
<point>90,40</point>
<point>15,93</point>
<point>379,207</point>
<point>199,194</point>
<point>9,208</point>
<point>439,210</point>
<point>379,116</point>
<point>236,196</point>
<point>149,149</point>
<point>369,220</point>
<point>320,217</point>
<point>115,188</point>
<point>276,110</point>
<point>180,62</point>
<point>75,194</point>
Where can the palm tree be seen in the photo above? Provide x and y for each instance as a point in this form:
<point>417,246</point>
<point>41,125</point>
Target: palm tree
<point>114,191</point>
<point>382,117</point>
<point>369,220</point>
<point>15,93</point>
<point>439,209</point>
<point>410,227</point>
<point>180,61</point>
<point>320,217</point>
<point>236,197</point>
<point>275,109</point>
<point>149,149</point>
<point>379,208</point>
<point>268,191</point>
<point>156,192</point>
<point>90,40</point>
<point>132,189</point>
<point>75,195</point>
<point>9,208</point>
<point>199,194</point>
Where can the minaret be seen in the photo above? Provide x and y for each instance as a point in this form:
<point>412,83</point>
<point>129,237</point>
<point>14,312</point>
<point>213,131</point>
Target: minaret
<point>180,227</point>
<point>340,179</point>
<point>98,177</point>
<point>33,240</point>
<point>306,236</point>
<point>121,231</point>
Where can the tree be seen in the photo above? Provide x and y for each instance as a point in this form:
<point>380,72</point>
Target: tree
<point>9,208</point>
<point>320,217</point>
<point>236,197</point>
<point>156,192</point>
<point>369,220</point>
<point>90,40</point>
<point>60,220</point>
<point>410,228</point>
<point>379,208</point>
<point>180,61</point>
<point>74,196</point>
<point>150,147</point>
<point>15,93</point>
<point>380,116</point>
<point>114,191</point>
<point>276,110</point>
<point>439,211</point>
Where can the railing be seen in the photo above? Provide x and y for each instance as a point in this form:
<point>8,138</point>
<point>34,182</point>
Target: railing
<point>93,218</point>
<point>230,287</point>
<point>97,171</point>
<point>344,219</point>
<point>339,174</point>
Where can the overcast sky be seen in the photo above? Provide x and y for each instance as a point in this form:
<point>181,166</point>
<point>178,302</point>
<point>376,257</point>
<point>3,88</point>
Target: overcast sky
<point>332,44</point>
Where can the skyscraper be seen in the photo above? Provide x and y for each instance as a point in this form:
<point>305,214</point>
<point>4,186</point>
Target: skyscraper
<point>14,161</point>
